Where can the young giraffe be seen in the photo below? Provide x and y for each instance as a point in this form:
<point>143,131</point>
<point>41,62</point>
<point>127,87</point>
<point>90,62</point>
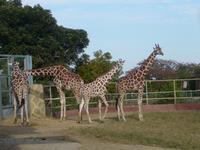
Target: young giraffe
<point>135,80</point>
<point>20,87</point>
<point>97,88</point>
<point>63,79</point>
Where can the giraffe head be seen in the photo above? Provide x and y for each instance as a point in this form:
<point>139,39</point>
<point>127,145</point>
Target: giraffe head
<point>16,69</point>
<point>120,62</point>
<point>158,50</point>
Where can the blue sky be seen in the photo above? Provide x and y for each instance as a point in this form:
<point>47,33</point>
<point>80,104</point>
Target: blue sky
<point>128,29</point>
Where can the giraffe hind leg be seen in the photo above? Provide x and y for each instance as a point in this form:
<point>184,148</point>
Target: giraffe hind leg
<point>87,110</point>
<point>106,104</point>
<point>80,110</point>
<point>118,108</point>
<point>121,107</point>
<point>26,113</point>
<point>100,104</point>
<point>15,110</point>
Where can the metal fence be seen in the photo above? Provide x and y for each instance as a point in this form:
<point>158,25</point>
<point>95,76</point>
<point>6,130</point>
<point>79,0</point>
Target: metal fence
<point>176,91</point>
<point>6,103</point>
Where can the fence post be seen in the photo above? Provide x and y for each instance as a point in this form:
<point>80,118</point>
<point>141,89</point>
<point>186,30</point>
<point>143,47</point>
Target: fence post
<point>1,109</point>
<point>174,83</point>
<point>28,65</point>
<point>50,96</point>
<point>147,98</point>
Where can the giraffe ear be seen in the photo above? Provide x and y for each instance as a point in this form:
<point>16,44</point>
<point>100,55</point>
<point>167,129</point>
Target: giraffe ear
<point>16,63</point>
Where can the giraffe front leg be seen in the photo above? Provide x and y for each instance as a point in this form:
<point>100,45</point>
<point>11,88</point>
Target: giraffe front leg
<point>61,109</point>
<point>22,115</point>
<point>63,104</point>
<point>100,104</point>
<point>140,112</point>
<point>64,109</point>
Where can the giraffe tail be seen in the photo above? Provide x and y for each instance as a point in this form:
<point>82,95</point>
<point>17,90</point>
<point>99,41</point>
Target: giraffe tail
<point>22,103</point>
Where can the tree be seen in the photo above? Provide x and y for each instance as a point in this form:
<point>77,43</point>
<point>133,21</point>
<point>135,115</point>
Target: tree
<point>26,30</point>
<point>170,69</point>
<point>163,69</point>
<point>91,69</point>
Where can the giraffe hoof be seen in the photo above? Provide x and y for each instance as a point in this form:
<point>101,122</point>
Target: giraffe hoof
<point>22,124</point>
<point>141,118</point>
<point>27,124</point>
<point>90,121</point>
<point>101,121</point>
<point>15,121</point>
<point>124,120</point>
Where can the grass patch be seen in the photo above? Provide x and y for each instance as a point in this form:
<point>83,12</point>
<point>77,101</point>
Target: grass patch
<point>164,129</point>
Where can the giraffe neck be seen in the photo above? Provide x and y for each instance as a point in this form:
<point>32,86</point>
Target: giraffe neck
<point>145,67</point>
<point>108,76</point>
<point>16,71</point>
<point>47,71</point>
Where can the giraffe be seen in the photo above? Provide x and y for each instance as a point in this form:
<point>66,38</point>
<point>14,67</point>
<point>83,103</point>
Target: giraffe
<point>20,87</point>
<point>63,79</point>
<point>135,80</point>
<point>97,88</point>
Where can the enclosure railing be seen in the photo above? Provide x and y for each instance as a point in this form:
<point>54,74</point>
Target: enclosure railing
<point>174,91</point>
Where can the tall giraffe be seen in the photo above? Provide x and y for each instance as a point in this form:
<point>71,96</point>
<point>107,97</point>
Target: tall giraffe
<point>63,79</point>
<point>20,87</point>
<point>97,88</point>
<point>135,80</point>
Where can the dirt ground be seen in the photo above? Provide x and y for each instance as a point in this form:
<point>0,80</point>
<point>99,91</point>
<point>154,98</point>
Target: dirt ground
<point>51,134</point>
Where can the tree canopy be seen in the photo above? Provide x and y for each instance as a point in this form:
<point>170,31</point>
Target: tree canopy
<point>26,30</point>
<point>90,69</point>
<point>170,69</point>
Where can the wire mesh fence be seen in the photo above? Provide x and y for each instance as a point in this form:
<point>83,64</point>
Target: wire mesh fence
<point>177,91</point>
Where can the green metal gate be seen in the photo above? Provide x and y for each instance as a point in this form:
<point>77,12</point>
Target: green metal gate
<point>6,103</point>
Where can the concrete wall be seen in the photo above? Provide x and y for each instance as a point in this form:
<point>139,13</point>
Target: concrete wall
<point>37,104</point>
